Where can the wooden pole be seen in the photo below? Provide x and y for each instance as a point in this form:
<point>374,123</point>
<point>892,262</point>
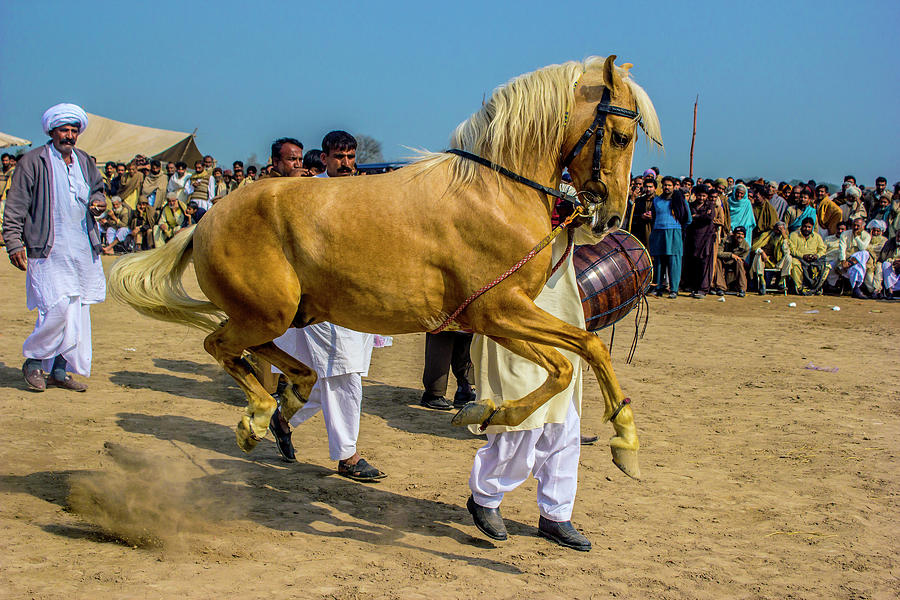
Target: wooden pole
<point>693,138</point>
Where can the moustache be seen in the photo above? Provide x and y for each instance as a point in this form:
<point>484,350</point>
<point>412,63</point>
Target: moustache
<point>345,170</point>
<point>67,141</point>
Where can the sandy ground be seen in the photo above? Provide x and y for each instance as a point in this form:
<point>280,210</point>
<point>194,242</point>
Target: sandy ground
<point>762,478</point>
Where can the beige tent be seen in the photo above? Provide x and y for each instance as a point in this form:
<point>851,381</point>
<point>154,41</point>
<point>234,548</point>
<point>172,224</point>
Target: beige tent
<point>107,140</point>
<point>7,140</point>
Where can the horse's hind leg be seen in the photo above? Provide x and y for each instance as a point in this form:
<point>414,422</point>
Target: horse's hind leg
<point>301,377</point>
<point>519,318</point>
<point>226,347</point>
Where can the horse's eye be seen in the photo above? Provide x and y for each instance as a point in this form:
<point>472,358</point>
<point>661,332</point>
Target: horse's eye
<point>619,139</point>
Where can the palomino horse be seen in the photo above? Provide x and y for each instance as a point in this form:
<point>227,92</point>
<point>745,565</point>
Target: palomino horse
<point>399,252</point>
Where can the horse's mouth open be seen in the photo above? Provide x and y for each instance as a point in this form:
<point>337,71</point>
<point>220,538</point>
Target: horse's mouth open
<point>600,229</point>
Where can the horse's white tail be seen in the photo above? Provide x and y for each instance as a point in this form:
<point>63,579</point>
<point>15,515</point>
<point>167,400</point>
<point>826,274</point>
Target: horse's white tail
<point>150,282</point>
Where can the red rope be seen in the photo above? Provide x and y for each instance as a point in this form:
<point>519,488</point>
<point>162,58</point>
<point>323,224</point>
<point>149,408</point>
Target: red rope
<point>540,246</point>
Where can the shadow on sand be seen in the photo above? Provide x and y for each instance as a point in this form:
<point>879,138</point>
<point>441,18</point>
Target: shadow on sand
<point>399,407</point>
<point>218,387</point>
<point>302,498</point>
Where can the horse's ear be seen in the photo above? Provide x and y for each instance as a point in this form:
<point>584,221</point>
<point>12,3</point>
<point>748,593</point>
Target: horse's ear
<point>611,78</point>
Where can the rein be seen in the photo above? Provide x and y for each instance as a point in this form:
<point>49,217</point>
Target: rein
<point>595,130</point>
<point>579,212</point>
<point>516,177</point>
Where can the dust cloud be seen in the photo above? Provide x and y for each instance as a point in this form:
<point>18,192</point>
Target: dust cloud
<point>151,502</point>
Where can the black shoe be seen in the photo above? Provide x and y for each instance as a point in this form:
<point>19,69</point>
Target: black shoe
<point>487,520</point>
<point>282,437</point>
<point>587,440</point>
<point>464,394</point>
<point>741,294</point>
<point>563,534</point>
<point>435,402</point>
<point>673,295</point>
<point>720,292</point>
<point>360,471</point>
<point>858,293</point>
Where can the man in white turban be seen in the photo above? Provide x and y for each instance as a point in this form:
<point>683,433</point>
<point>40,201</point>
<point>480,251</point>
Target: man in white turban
<point>50,233</point>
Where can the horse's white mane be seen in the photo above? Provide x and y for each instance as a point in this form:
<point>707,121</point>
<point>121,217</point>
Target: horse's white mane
<point>524,118</point>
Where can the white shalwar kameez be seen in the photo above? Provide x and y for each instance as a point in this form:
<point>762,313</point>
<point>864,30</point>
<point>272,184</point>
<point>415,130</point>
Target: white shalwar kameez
<point>891,279</point>
<point>63,285</point>
<point>548,443</point>
<point>857,273</point>
<point>340,357</point>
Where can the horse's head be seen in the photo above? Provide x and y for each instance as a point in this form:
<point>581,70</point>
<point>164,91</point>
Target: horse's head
<point>599,139</point>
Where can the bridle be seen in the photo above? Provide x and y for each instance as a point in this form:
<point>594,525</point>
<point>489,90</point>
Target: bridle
<point>596,129</point>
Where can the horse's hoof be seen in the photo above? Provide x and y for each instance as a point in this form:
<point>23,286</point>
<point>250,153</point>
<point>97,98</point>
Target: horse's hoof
<point>473,413</point>
<point>627,461</point>
<point>246,441</point>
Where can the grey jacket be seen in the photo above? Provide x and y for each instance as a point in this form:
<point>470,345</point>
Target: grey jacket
<point>28,217</point>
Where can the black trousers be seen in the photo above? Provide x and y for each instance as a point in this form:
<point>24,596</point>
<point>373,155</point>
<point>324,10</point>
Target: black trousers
<point>445,351</point>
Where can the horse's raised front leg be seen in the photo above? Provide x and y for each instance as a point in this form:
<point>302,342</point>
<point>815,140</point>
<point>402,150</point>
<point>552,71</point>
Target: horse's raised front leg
<point>518,318</point>
<point>224,345</point>
<point>302,377</point>
<point>513,412</point>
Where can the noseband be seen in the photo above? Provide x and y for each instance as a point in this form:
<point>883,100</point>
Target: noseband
<point>604,108</point>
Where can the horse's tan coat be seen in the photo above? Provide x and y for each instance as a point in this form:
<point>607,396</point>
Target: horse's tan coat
<point>397,253</point>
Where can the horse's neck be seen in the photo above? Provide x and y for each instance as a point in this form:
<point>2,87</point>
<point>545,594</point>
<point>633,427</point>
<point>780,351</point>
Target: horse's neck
<point>544,173</point>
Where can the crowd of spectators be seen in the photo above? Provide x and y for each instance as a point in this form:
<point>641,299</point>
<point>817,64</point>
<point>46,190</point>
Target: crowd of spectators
<point>148,202</point>
<point>709,236</point>
<point>728,236</point>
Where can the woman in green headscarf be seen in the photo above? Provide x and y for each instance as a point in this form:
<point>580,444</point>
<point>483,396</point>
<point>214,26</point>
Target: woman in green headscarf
<point>741,211</point>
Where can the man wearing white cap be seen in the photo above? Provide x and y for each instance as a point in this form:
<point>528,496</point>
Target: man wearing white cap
<point>51,234</point>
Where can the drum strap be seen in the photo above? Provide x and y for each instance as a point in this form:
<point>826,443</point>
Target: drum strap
<point>579,211</point>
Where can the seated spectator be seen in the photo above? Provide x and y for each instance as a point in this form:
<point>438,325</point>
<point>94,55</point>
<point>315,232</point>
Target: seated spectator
<point>854,240</point>
<point>889,257</point>
<point>873,277</point>
<point>775,253</point>
<point>801,209</point>
<point>170,221</point>
<point>194,213</point>
<point>143,218</point>
<point>117,231</point>
<point>808,267</point>
<point>833,243</point>
<point>731,257</point>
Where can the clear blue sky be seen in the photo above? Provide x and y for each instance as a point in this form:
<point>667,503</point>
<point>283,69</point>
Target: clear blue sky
<point>787,89</point>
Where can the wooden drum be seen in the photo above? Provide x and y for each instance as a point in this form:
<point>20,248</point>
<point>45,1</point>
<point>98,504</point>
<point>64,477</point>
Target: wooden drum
<point>612,276</point>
